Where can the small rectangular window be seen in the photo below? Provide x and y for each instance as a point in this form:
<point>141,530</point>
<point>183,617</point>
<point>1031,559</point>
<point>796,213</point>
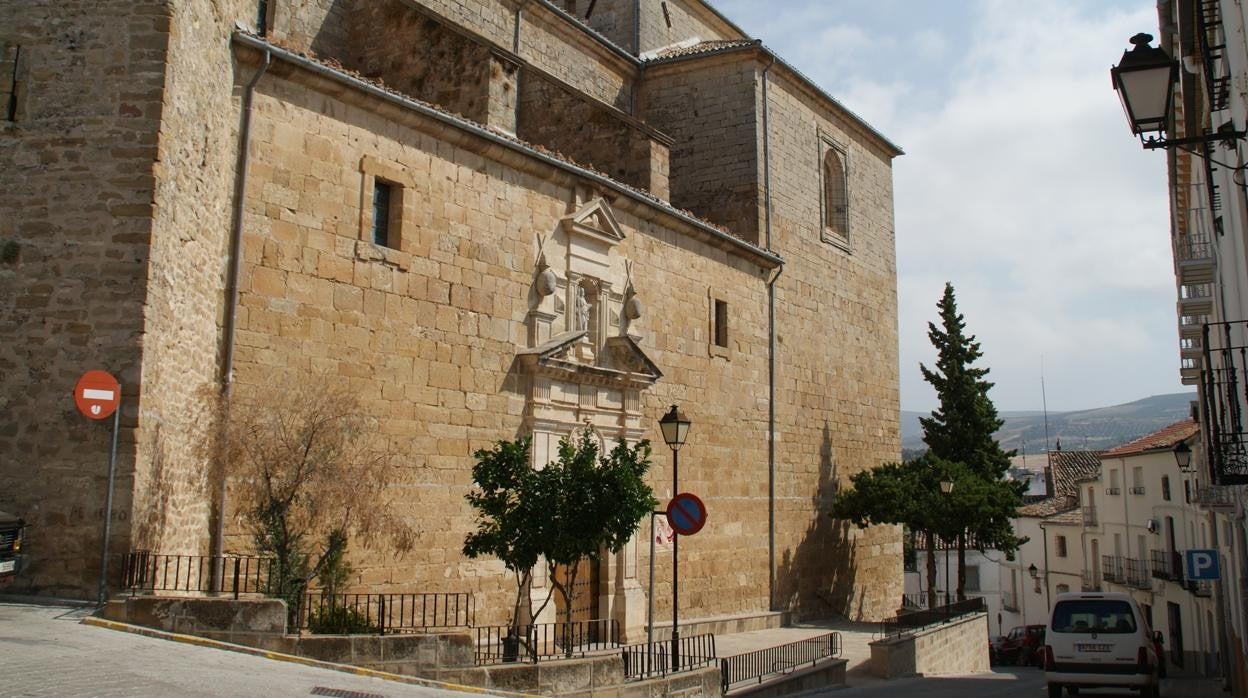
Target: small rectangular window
<point>1060,544</point>
<point>382,191</point>
<point>10,61</point>
<point>1165,487</point>
<point>721,323</point>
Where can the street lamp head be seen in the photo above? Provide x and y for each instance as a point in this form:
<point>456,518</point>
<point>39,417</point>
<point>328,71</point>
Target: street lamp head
<point>1031,569</point>
<point>946,486</point>
<point>675,427</point>
<point>1183,456</point>
<point>1144,80</point>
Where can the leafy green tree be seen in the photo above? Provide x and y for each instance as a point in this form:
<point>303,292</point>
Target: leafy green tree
<point>906,493</point>
<point>962,431</point>
<point>571,510</point>
<point>510,517</point>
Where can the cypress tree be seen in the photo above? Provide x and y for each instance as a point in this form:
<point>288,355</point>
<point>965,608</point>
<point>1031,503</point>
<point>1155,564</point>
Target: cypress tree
<point>962,431</point>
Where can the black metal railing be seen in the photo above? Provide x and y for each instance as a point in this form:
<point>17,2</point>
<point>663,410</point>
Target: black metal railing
<point>1089,516</point>
<point>1166,564</point>
<point>497,644</point>
<point>760,664</point>
<point>919,602</point>
<point>644,661</point>
<point>910,622</point>
<point>148,571</point>
<point>1215,497</point>
<point>1225,380</point>
<point>383,614</point>
<point>1112,569</point>
<point>1136,573</point>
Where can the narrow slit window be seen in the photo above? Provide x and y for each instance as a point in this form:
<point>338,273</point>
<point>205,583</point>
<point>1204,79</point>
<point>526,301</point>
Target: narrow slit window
<point>383,192</point>
<point>9,77</point>
<point>721,323</point>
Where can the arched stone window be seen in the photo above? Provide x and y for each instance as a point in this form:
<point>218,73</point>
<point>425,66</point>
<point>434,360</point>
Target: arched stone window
<point>835,194</point>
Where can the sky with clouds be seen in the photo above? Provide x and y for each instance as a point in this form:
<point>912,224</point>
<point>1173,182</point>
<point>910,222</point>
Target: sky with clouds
<point>1021,183</point>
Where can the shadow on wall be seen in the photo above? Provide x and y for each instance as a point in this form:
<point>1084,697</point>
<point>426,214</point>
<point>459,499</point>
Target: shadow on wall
<point>816,578</point>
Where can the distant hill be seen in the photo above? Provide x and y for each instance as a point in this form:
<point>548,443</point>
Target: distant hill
<point>1095,429</point>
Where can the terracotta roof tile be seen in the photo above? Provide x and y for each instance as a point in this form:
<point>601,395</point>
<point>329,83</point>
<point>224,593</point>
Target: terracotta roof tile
<point>1162,439</point>
<point>701,47</point>
<point>1066,468</point>
<point>1071,517</point>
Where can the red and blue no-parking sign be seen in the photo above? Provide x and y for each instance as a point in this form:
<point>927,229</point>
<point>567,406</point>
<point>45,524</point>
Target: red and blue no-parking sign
<point>686,513</point>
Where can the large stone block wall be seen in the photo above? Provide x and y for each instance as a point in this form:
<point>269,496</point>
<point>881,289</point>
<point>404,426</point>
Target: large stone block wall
<point>838,395</point>
<point>710,110</point>
<point>614,19</point>
<point>411,52</point>
<point>957,647</point>
<point>559,47</point>
<point>191,222</point>
<point>321,27</point>
<point>427,334</point>
<point>689,19</point>
<point>587,132</point>
<point>77,189</point>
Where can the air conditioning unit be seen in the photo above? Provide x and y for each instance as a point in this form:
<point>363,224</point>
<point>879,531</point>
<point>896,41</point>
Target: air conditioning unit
<point>1153,526</point>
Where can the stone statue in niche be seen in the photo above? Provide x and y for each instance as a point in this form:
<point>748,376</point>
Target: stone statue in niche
<point>580,309</point>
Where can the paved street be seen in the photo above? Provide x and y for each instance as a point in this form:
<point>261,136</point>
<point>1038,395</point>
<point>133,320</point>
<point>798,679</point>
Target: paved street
<point>44,651</point>
<point>1006,682</point>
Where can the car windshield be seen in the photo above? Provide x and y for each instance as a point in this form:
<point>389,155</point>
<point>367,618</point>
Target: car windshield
<point>1093,616</point>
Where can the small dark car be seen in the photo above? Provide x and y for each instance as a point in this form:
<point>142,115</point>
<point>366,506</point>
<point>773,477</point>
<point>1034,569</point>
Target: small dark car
<point>1022,645</point>
<point>10,547</point>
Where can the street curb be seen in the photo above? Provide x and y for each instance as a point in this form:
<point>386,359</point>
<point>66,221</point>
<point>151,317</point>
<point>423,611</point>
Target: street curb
<point>291,658</point>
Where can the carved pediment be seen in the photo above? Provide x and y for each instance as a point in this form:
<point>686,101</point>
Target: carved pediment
<point>594,220</point>
<point>627,366</point>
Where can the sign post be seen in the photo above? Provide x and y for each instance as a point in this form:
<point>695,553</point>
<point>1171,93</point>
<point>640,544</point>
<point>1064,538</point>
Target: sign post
<point>98,396</point>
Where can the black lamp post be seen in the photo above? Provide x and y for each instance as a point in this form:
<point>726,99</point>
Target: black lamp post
<point>1144,80</point>
<point>675,428</point>
<point>1183,456</point>
<point>946,487</point>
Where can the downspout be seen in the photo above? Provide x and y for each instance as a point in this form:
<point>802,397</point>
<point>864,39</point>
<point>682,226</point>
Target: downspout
<point>1048,601</point>
<point>637,28</point>
<point>231,284</point>
<point>771,355</point>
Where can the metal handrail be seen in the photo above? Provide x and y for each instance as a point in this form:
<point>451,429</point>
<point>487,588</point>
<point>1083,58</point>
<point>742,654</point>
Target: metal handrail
<point>910,622</point>
<point>759,664</point>
<point>498,644</point>
<point>219,574</point>
<point>388,613</point>
<point>647,660</point>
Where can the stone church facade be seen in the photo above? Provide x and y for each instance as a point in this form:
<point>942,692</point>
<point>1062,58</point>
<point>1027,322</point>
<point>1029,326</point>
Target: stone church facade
<point>490,218</point>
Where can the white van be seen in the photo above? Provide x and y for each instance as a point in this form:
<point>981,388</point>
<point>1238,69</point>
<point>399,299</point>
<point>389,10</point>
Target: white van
<point>1097,640</point>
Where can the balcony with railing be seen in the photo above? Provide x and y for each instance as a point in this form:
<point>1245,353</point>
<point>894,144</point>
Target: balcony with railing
<point>1189,371</point>
<point>1135,573</point>
<point>1089,516</point>
<point>1224,373</point>
<point>1217,497</point>
<point>1193,256</point>
<point>1195,299</point>
<point>1166,565</point>
<point>1112,569</point>
<point>1192,325</point>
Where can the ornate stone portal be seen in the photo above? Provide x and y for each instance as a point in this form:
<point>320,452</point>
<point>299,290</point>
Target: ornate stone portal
<point>583,368</point>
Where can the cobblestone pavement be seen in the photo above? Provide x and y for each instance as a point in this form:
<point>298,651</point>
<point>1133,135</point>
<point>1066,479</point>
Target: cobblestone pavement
<point>45,651</point>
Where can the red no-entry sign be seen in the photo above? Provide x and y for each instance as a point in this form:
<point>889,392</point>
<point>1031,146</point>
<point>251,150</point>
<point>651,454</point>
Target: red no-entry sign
<point>97,394</point>
<point>686,513</point>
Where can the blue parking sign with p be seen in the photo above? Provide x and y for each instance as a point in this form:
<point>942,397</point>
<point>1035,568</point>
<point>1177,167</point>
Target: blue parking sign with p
<point>1202,565</point>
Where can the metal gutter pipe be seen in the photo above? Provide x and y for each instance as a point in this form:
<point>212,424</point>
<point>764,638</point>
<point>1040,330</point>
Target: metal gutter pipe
<point>231,284</point>
<point>771,356</point>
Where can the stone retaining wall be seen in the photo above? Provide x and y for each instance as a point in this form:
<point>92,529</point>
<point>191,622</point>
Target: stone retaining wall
<point>959,647</point>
